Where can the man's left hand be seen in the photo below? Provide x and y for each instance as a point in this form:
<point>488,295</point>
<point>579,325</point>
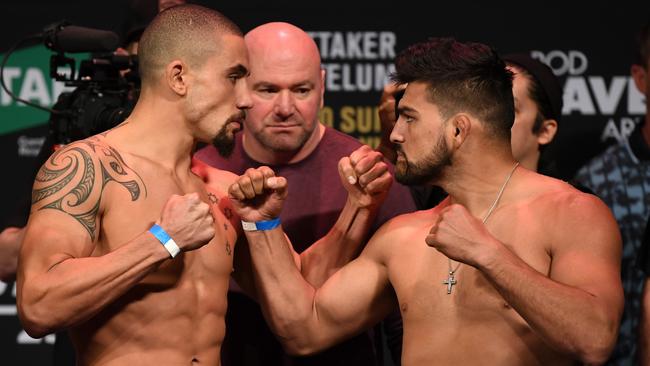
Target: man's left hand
<point>365,176</point>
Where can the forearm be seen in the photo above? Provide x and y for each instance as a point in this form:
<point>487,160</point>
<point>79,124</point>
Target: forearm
<point>570,319</point>
<point>342,243</point>
<point>287,300</point>
<point>10,240</point>
<point>75,289</point>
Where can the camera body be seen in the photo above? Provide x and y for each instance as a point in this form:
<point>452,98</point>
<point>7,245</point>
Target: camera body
<point>107,88</point>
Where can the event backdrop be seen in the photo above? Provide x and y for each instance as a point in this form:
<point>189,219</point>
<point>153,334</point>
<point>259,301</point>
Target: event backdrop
<point>588,44</point>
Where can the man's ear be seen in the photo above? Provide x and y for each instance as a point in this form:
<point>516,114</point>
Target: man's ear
<point>547,131</point>
<point>176,77</point>
<point>639,76</point>
<point>461,125</point>
<point>322,87</point>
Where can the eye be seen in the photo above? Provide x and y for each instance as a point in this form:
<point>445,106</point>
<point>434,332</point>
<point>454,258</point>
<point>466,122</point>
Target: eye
<point>406,117</point>
<point>267,90</point>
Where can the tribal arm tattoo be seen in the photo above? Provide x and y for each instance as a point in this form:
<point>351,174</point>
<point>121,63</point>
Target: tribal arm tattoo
<point>73,180</point>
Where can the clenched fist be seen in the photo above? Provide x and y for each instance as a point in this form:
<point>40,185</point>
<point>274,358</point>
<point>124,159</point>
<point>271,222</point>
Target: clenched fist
<point>188,220</point>
<point>258,194</point>
<point>461,236</point>
<point>365,176</point>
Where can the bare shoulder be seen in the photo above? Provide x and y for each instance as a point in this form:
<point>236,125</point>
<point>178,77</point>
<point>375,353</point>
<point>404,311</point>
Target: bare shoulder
<point>554,194</point>
<point>403,231</point>
<point>565,208</point>
<point>72,181</point>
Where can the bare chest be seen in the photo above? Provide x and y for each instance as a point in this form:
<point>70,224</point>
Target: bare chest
<point>127,215</point>
<point>432,289</point>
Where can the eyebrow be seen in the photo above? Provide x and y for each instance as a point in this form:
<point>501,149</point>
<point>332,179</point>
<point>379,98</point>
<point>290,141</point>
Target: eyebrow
<point>305,83</point>
<point>402,109</point>
<point>239,69</point>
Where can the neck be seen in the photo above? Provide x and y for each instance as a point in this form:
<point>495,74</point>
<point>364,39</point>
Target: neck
<point>476,187</point>
<point>152,132</point>
<point>265,155</point>
<point>531,162</point>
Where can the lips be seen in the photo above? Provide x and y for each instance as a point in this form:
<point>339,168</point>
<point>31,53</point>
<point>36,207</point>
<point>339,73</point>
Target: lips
<point>283,125</point>
<point>235,126</point>
<point>237,120</point>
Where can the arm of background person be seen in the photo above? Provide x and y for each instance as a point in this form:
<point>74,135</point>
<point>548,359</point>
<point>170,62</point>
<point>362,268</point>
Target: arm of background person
<point>10,241</point>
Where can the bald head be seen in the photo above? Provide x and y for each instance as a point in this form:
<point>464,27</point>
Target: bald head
<point>190,33</point>
<point>280,43</point>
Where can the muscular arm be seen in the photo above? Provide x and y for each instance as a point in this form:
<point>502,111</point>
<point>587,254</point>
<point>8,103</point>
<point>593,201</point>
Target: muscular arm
<point>303,318</point>
<point>367,180</point>
<point>64,276</point>
<point>308,319</point>
<point>340,245</point>
<point>576,307</point>
<point>59,283</point>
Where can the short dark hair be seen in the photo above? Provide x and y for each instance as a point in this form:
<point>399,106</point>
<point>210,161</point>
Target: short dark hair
<point>187,31</point>
<point>544,87</point>
<point>461,76</point>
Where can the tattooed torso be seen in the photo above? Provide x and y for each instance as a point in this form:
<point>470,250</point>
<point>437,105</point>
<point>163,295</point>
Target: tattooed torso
<point>108,197</point>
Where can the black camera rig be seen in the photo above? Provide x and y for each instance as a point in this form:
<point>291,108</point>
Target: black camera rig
<point>106,86</point>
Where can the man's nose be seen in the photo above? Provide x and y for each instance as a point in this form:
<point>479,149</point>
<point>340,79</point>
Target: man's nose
<point>243,100</point>
<point>284,105</point>
<point>396,135</point>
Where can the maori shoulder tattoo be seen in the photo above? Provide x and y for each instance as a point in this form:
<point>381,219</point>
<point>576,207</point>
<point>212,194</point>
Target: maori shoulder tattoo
<point>73,179</point>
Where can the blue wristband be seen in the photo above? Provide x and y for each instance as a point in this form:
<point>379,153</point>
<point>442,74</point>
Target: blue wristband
<point>166,240</point>
<point>260,225</point>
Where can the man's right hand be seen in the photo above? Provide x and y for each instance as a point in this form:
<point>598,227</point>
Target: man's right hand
<point>188,220</point>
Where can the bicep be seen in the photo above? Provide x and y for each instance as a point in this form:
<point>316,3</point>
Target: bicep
<point>354,298</point>
<point>64,218</point>
<point>51,238</point>
<point>587,252</point>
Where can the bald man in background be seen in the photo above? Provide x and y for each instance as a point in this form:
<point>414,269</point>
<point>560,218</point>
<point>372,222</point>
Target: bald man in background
<point>282,131</point>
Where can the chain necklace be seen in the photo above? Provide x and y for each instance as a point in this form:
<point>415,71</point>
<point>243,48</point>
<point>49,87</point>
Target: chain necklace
<point>451,280</point>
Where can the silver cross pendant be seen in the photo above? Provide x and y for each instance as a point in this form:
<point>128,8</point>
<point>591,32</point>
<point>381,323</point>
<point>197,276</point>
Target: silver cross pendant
<point>450,281</point>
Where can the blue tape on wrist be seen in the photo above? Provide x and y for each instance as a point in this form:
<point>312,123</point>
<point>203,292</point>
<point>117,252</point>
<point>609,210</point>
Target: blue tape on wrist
<point>166,240</point>
<point>261,225</point>
<point>160,233</point>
